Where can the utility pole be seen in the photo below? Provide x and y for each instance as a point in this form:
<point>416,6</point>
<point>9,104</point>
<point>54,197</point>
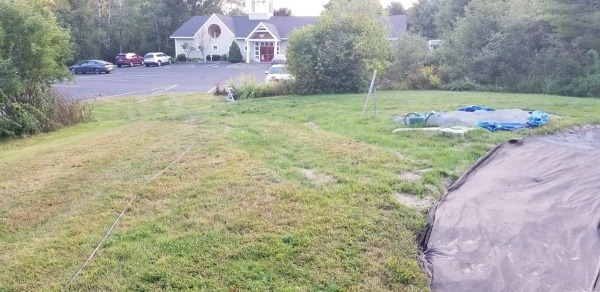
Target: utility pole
<point>120,26</point>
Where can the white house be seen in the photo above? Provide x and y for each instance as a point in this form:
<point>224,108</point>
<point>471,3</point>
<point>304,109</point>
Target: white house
<point>260,35</point>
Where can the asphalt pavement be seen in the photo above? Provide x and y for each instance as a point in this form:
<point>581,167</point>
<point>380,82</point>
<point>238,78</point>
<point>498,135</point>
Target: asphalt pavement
<point>142,80</point>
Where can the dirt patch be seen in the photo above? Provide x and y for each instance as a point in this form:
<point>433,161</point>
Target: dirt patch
<point>410,176</point>
<point>227,129</point>
<point>317,178</point>
<point>192,121</point>
<point>311,125</point>
<point>414,202</point>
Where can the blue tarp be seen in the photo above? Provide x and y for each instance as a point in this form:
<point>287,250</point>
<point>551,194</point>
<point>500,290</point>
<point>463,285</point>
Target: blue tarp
<point>472,108</point>
<point>537,118</point>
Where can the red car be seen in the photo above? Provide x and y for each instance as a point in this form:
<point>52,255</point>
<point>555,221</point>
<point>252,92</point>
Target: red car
<point>129,59</point>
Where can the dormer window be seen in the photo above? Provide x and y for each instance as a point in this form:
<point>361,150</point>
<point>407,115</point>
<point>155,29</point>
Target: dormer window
<point>214,31</point>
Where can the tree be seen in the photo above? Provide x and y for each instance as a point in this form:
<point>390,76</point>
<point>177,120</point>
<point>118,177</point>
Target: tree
<point>340,52</point>
<point>203,44</point>
<point>449,11</point>
<point>395,8</point>
<point>282,12</point>
<point>233,7</point>
<point>36,49</point>
<point>188,48</point>
<point>507,45</point>
<point>575,20</point>
<point>235,54</point>
<point>421,18</point>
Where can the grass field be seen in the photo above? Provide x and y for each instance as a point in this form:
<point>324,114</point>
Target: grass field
<point>276,194</point>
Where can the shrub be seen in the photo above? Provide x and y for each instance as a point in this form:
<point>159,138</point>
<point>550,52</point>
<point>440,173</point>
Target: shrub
<point>235,55</point>
<point>181,58</point>
<point>224,57</point>
<point>208,57</point>
<point>216,57</point>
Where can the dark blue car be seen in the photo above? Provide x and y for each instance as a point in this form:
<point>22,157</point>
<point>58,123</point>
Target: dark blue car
<point>92,66</point>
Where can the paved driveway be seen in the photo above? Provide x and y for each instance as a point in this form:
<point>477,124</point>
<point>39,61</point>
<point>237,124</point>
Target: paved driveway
<point>142,80</point>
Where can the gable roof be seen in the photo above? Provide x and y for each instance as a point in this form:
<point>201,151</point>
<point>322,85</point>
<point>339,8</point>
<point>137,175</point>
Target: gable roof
<point>284,24</point>
<point>228,21</point>
<point>190,27</point>
<point>281,26</point>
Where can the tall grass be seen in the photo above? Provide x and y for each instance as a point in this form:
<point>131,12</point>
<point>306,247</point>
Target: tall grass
<point>247,87</point>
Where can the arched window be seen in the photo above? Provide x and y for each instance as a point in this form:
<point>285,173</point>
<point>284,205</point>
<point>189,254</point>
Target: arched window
<point>214,31</point>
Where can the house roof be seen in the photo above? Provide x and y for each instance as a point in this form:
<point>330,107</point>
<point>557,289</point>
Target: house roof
<point>398,25</point>
<point>281,26</point>
<point>190,27</point>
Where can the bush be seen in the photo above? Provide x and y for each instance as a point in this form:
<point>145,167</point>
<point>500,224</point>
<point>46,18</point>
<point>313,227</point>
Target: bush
<point>235,55</point>
<point>409,58</point>
<point>426,77</point>
<point>216,57</point>
<point>464,84</point>
<point>208,58</point>
<point>181,58</point>
<point>340,52</point>
<point>224,57</point>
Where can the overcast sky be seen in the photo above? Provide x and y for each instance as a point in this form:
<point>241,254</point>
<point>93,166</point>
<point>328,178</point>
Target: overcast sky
<point>314,7</point>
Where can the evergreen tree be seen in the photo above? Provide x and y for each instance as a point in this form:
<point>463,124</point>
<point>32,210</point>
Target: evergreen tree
<point>235,55</point>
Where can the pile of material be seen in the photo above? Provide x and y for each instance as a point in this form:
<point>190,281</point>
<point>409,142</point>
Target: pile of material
<point>477,116</point>
<point>526,217</point>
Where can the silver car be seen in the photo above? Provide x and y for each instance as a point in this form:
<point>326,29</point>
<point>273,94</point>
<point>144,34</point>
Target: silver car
<point>277,73</point>
<point>157,59</point>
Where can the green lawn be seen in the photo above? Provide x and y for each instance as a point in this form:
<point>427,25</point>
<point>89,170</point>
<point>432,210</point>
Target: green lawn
<point>283,194</point>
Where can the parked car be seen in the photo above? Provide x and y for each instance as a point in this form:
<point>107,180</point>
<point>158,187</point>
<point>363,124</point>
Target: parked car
<point>92,66</point>
<point>156,59</point>
<point>278,59</point>
<point>277,73</point>
<point>129,59</point>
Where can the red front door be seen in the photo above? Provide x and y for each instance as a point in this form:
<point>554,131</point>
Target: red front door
<point>266,54</point>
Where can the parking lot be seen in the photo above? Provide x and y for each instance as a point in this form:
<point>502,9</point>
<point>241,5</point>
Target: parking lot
<point>142,80</point>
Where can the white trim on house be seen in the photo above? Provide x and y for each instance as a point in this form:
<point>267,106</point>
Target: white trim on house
<point>255,30</point>
<point>209,21</point>
<point>261,26</point>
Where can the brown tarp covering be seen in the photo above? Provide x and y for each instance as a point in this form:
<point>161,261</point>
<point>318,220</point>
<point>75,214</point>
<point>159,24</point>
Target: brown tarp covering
<point>526,217</point>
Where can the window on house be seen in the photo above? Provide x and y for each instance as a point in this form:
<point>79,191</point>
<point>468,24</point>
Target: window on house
<point>245,48</point>
<point>214,31</point>
<point>215,48</point>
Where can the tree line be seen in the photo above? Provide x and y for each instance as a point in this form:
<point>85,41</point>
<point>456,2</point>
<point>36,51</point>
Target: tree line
<point>103,28</point>
<point>530,46</point>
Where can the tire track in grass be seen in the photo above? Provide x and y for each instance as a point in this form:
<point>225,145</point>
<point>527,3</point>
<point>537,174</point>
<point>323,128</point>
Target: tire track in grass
<point>112,227</point>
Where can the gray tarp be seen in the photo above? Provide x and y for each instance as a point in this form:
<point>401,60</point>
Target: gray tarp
<point>526,217</point>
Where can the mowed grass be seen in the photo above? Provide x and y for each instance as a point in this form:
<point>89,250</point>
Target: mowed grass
<point>282,194</point>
